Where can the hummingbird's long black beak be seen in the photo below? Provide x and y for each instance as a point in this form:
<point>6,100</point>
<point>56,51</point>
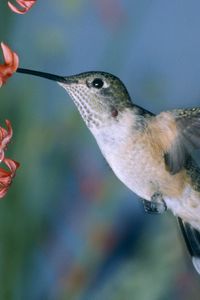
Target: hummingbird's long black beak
<point>57,78</point>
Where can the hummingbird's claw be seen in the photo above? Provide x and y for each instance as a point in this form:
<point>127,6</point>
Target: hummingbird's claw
<point>156,205</point>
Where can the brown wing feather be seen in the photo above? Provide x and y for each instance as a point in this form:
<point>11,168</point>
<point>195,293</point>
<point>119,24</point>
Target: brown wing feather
<point>188,121</point>
<point>186,140</point>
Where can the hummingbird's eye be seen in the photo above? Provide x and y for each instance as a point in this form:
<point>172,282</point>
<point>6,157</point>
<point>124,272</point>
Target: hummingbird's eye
<point>97,83</point>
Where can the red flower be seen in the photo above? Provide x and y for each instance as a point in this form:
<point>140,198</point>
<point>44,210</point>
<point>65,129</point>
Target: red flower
<point>5,137</point>
<point>6,176</point>
<point>10,65</point>
<point>25,4</point>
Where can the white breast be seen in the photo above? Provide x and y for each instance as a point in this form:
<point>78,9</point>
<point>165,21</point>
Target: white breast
<point>127,157</point>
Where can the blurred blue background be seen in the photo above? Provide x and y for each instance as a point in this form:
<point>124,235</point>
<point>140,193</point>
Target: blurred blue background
<point>68,228</point>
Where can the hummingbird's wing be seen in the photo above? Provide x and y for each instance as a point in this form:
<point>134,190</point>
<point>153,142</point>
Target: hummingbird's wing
<point>187,138</point>
<point>178,133</point>
<point>192,240</point>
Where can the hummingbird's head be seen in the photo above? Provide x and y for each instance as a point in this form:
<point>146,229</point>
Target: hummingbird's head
<point>99,96</point>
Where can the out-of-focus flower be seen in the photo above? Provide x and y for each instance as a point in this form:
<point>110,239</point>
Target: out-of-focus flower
<point>25,4</point>
<point>111,12</point>
<point>7,176</point>
<point>10,65</point>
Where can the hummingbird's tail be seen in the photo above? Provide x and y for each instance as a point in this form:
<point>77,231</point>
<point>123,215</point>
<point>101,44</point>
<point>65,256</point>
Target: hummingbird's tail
<point>192,240</point>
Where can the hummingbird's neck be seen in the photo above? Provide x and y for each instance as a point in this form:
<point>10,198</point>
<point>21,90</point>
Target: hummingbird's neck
<point>112,129</point>
<point>112,135</point>
<point>89,114</point>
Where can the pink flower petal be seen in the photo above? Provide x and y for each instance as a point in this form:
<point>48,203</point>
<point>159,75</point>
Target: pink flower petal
<point>21,3</point>
<point>7,176</point>
<point>5,137</point>
<point>25,4</point>
<point>12,165</point>
<point>3,191</point>
<point>10,65</point>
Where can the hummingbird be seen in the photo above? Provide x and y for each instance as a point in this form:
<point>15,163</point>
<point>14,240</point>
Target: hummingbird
<point>150,154</point>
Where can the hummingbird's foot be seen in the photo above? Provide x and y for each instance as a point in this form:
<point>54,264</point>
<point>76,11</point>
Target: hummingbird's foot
<point>156,205</point>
